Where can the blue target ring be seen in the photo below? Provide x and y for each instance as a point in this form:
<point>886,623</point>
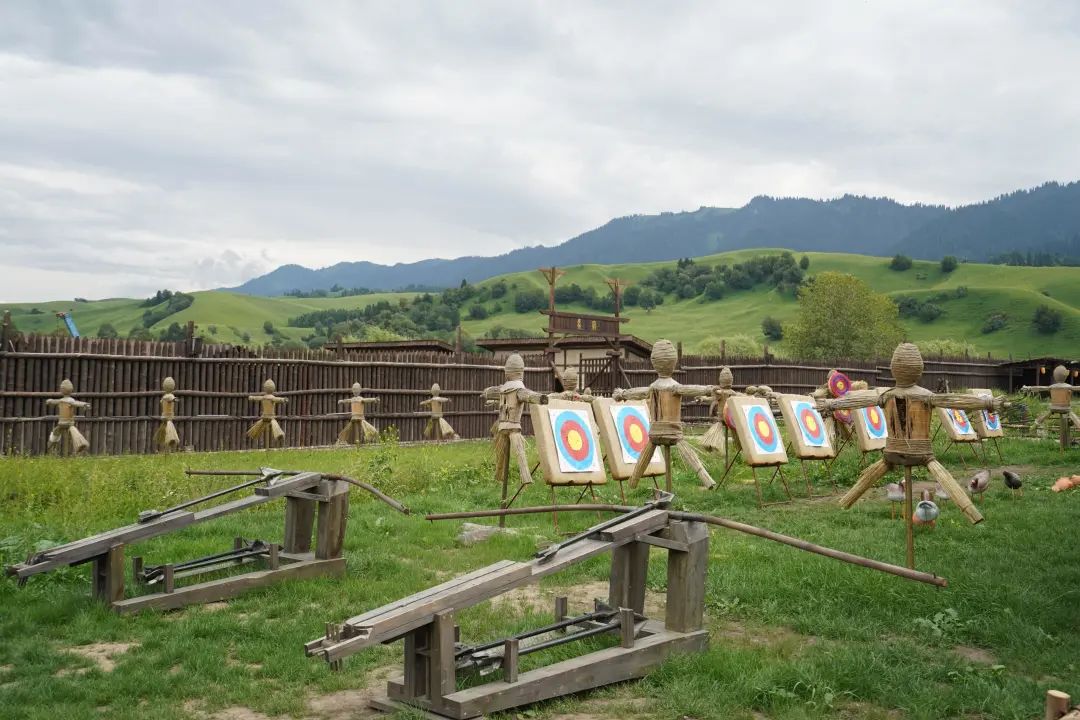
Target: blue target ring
<point>633,429</point>
<point>763,429</point>
<point>573,439</point>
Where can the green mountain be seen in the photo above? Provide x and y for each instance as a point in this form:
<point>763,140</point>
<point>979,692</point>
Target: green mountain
<point>1044,220</point>
<point>1013,292</point>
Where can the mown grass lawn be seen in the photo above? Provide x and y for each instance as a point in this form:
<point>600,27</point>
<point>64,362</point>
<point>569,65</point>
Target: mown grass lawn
<point>794,635</point>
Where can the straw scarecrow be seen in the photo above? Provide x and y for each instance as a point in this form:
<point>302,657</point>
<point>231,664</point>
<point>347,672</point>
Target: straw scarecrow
<point>66,408</point>
<point>437,428</point>
<point>358,429</point>
<point>166,437</point>
<point>907,413</point>
<point>512,397</point>
<point>267,425</point>
<point>569,379</point>
<point>715,438</point>
<point>664,399</point>
<point>1061,394</point>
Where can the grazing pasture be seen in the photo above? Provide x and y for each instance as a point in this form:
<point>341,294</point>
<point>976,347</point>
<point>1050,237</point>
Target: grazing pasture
<point>793,635</point>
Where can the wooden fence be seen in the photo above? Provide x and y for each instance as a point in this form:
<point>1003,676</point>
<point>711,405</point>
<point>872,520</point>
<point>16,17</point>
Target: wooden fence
<point>122,381</point>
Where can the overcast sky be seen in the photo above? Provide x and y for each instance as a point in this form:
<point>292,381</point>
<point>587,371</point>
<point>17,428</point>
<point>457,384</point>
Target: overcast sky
<point>197,144</point>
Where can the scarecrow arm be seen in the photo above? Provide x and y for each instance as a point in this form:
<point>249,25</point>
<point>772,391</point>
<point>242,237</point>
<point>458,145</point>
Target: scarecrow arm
<point>631,394</point>
<point>1035,389</point>
<point>531,397</point>
<point>959,401</point>
<point>367,401</point>
<point>854,399</point>
<point>694,390</point>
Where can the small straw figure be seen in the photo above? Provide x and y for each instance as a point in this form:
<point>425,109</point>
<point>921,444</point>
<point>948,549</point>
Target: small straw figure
<point>1061,394</point>
<point>267,425</point>
<point>437,427</point>
<point>664,399</point>
<point>166,437</point>
<point>512,397</point>
<point>66,408</point>
<point>907,412</point>
<point>358,429</point>
<point>715,438</point>
<point>569,379</point>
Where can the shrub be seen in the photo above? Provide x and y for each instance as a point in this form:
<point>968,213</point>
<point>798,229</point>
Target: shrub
<point>529,300</point>
<point>631,296</point>
<point>734,346</point>
<point>994,322</point>
<point>477,312</point>
<point>268,328</point>
<point>715,290</point>
<point>929,312</point>
<point>804,262</point>
<point>649,300</point>
<point>900,263</point>
<point>498,289</point>
<point>1047,320</point>
<point>107,331</point>
<point>949,263</point>
<point>772,329</point>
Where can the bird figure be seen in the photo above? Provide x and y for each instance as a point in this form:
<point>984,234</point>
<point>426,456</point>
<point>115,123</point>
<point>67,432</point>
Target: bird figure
<point>895,494</point>
<point>940,495</point>
<point>926,511</point>
<point>979,482</point>
<point>1013,482</point>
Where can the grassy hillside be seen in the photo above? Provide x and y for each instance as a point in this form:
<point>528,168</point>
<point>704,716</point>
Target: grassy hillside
<point>1015,291</point>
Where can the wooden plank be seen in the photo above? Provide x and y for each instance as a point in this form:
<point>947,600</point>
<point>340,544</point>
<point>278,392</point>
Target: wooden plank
<point>330,536</point>
<point>510,660</point>
<point>227,508</point>
<point>108,575</point>
<point>87,548</point>
<point>393,625</point>
<point>442,666</point>
<point>283,486</point>
<point>230,587</point>
<point>644,523</point>
<point>299,522</point>
<point>593,670</point>
<point>685,607</point>
<point>629,570</point>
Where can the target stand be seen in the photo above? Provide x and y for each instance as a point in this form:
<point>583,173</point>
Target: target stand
<point>987,425</point>
<point>569,449</point>
<point>808,435</point>
<point>959,430</point>
<point>624,434</point>
<point>760,443</point>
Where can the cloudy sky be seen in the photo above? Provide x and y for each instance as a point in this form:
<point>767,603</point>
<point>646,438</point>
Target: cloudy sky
<point>198,144</point>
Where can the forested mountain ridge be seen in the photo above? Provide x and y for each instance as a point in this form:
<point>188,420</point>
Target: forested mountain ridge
<point>1043,220</point>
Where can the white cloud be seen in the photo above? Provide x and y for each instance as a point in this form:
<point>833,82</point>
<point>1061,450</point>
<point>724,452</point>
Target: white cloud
<point>196,144</point>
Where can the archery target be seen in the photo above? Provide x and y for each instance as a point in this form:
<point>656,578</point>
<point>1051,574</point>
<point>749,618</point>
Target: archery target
<point>839,384</point>
<point>728,419</point>
<point>758,433</point>
<point>987,423</point>
<point>574,440</point>
<point>871,428</point>
<point>843,416</point>
<point>566,443</point>
<point>810,436</point>
<point>957,425</point>
<point>624,432</point>
<point>632,429</point>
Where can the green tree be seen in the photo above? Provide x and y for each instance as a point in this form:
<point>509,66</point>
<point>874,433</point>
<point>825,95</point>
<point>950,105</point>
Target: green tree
<point>949,263</point>
<point>1047,320</point>
<point>772,329</point>
<point>804,262</point>
<point>268,327</point>
<point>139,333</point>
<point>173,333</point>
<point>841,317</point>
<point>647,300</point>
<point>107,331</point>
<point>900,263</point>
<point>477,312</point>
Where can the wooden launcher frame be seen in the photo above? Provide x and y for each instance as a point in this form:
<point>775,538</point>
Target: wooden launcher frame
<point>434,658</point>
<point>306,495</point>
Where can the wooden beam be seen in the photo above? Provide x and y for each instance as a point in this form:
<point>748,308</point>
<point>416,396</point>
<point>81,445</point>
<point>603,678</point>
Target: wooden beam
<point>229,587</point>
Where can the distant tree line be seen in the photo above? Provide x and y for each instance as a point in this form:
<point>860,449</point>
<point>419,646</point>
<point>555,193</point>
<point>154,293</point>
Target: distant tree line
<point>689,279</point>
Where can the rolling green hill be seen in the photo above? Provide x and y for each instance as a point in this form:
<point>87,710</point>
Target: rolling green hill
<point>1014,291</point>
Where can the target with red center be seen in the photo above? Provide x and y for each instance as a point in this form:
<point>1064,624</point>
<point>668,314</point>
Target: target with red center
<point>991,420</point>
<point>632,427</point>
<point>728,420</point>
<point>811,426</point>
<point>843,416</point>
<point>763,431</point>
<point>874,422</point>
<point>575,443</point>
<point>960,421</point>
<point>839,384</point>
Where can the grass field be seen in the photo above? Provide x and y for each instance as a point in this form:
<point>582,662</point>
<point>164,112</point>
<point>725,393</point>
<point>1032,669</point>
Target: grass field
<point>1015,291</point>
<point>793,635</point>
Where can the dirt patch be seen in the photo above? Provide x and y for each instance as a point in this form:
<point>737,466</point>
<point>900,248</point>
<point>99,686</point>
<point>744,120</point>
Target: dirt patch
<point>215,606</point>
<point>975,655</point>
<point>765,635</point>
<point>609,708</point>
<point>239,713</point>
<point>579,597</point>
<point>868,711</point>
<point>6,668</point>
<point>102,654</point>
<point>353,703</point>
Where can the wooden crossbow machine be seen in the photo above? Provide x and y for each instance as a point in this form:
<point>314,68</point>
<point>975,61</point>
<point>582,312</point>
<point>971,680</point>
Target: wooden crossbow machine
<point>435,659</point>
